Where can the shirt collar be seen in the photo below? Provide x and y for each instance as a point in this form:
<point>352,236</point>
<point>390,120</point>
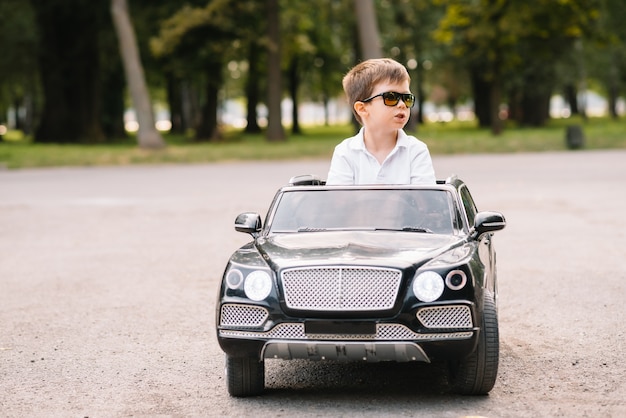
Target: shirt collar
<point>359,143</point>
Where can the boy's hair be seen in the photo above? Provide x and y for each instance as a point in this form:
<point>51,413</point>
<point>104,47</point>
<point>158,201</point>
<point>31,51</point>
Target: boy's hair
<point>359,82</point>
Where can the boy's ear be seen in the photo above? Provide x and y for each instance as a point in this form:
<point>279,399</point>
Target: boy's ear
<point>360,108</point>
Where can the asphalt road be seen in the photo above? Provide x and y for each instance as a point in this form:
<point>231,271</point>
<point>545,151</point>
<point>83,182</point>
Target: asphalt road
<point>108,281</point>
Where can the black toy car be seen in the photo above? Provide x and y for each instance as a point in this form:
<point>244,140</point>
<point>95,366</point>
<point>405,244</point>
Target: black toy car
<point>363,273</point>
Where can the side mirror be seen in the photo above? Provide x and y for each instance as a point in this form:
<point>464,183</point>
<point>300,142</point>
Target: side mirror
<point>248,222</point>
<point>487,222</point>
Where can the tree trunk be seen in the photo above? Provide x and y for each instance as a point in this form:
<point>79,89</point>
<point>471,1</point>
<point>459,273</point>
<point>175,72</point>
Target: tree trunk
<point>208,129</point>
<point>535,109</point>
<point>613,85</point>
<point>612,101</point>
<point>252,89</point>
<point>69,62</point>
<point>494,105</point>
<point>514,104</point>
<point>190,105</point>
<point>326,110</point>
<point>18,100</point>
<point>275,131</point>
<point>538,84</point>
<point>3,124</point>
<point>571,98</point>
<point>369,36</point>
<point>482,99</point>
<point>175,102</point>
<point>33,107</point>
<point>421,96</point>
<point>113,104</point>
<point>293,92</point>
<point>147,136</point>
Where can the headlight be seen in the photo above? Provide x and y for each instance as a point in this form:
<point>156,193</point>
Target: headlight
<point>428,286</point>
<point>258,285</point>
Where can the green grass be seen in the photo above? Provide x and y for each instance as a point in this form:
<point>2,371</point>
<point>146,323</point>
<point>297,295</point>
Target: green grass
<point>17,151</point>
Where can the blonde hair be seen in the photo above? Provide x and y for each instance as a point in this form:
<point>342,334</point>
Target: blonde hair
<point>359,82</point>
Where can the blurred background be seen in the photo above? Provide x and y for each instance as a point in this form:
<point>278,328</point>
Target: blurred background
<point>273,66</point>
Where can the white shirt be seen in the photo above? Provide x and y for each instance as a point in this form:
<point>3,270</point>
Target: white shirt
<point>408,163</point>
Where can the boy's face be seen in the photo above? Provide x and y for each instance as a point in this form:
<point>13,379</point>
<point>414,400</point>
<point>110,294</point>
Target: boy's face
<point>378,116</point>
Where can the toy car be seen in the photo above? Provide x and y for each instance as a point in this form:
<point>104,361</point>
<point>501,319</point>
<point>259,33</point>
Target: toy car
<point>363,273</point>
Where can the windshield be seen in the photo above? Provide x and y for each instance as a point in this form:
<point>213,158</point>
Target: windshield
<point>358,209</point>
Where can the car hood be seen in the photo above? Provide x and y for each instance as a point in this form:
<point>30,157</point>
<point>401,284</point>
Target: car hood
<point>393,249</point>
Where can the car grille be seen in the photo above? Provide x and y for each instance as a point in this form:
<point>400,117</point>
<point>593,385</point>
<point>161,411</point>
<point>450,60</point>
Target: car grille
<point>341,288</point>
<point>384,332</point>
<point>456,316</point>
<point>242,315</point>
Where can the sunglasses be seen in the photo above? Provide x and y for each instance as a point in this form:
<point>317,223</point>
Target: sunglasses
<point>391,98</point>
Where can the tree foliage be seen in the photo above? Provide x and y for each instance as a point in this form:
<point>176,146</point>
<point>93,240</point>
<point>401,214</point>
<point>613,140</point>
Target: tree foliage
<point>19,85</point>
<point>195,44</point>
<point>60,65</point>
<point>602,55</point>
<point>511,48</point>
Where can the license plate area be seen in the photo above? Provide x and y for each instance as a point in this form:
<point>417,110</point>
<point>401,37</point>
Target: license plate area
<point>339,327</point>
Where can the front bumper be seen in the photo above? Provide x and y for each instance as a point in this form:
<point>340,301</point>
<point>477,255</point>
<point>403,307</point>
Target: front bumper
<point>429,332</point>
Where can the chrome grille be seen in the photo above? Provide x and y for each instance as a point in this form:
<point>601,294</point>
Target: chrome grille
<point>341,288</point>
<point>457,316</point>
<point>242,315</point>
<point>384,332</point>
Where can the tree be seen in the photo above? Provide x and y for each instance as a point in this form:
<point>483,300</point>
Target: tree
<point>511,48</point>
<point>332,36</point>
<point>19,86</point>
<point>409,40</point>
<point>113,82</point>
<point>367,24</point>
<point>196,43</point>
<point>275,131</point>
<point>147,136</point>
<point>603,53</point>
<point>69,69</point>
<point>474,30</point>
<point>297,27</point>
<point>252,87</point>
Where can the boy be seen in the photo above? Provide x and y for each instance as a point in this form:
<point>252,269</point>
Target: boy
<point>378,90</point>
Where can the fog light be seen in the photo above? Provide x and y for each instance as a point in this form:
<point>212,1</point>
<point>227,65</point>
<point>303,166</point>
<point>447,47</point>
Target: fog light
<point>428,286</point>
<point>234,278</point>
<point>456,279</point>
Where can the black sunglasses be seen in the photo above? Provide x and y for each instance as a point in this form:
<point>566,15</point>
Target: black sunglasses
<point>391,98</point>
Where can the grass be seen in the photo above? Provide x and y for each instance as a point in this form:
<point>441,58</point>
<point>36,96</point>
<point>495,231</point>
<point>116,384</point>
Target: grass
<point>17,151</point>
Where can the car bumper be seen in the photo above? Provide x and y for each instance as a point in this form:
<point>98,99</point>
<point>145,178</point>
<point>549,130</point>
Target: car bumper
<point>431,335</point>
<point>342,350</point>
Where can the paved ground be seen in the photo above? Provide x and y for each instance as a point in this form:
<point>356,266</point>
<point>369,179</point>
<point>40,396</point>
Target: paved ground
<point>108,280</point>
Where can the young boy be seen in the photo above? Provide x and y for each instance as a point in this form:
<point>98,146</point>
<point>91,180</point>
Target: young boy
<point>378,90</point>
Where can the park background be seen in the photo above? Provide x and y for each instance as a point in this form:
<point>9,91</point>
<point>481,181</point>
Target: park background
<point>108,275</point>
<point>116,81</point>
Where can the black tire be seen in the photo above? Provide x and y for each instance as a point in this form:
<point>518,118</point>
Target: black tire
<point>245,376</point>
<point>476,374</point>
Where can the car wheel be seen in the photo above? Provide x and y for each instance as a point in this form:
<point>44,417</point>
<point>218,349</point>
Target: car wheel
<point>245,376</point>
<point>476,374</point>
